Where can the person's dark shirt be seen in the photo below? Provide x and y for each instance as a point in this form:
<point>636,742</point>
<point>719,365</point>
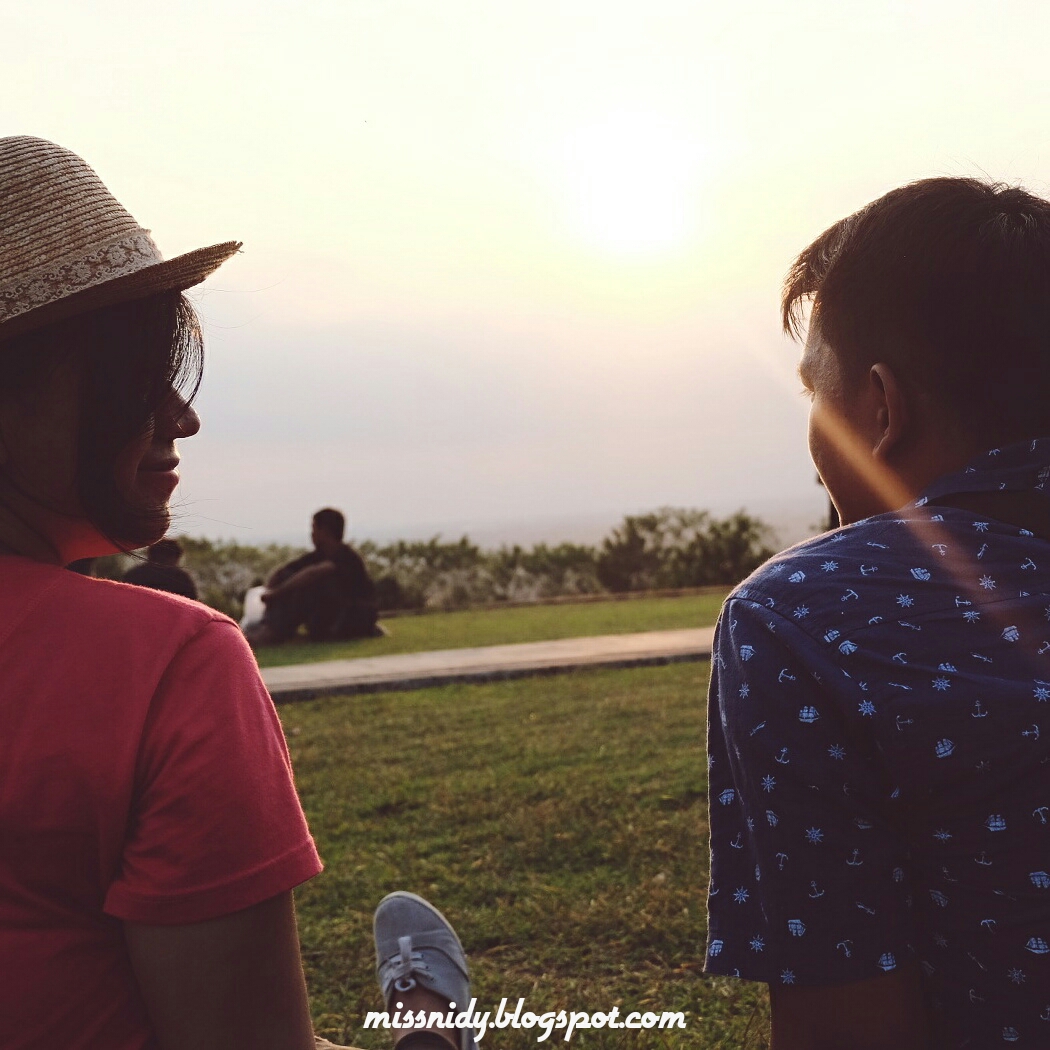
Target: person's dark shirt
<point>168,578</point>
<point>351,575</point>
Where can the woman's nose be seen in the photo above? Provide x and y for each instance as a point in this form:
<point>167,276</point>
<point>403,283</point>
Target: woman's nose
<point>178,419</point>
<point>189,422</point>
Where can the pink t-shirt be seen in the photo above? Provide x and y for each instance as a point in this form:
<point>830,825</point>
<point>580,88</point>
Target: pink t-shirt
<point>144,776</point>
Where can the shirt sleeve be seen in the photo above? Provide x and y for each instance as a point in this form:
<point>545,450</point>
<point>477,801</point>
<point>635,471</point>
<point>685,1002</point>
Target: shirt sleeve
<point>289,569</point>
<point>809,881</point>
<point>216,825</point>
<point>188,585</point>
<point>353,575</point>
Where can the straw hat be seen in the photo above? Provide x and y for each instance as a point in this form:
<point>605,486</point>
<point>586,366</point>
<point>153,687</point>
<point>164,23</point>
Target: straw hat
<point>68,246</point>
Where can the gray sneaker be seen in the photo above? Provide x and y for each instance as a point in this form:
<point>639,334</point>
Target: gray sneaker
<point>416,945</point>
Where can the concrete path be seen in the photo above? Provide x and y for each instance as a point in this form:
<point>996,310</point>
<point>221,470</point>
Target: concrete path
<point>372,674</point>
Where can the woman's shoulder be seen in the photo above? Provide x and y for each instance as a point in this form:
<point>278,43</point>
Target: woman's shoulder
<point>159,608</point>
<point>68,597</point>
<point>58,628</point>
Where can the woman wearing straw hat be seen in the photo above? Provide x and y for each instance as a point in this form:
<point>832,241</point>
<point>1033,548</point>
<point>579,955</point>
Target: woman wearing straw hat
<point>150,832</point>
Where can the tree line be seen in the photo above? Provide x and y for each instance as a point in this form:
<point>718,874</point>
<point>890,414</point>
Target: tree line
<point>669,548</point>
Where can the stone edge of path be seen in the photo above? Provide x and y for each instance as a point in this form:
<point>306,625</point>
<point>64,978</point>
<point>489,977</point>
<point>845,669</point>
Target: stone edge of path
<point>300,693</point>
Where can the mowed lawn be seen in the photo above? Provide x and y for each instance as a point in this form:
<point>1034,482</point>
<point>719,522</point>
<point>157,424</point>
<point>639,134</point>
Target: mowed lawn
<point>534,623</point>
<point>560,823</point>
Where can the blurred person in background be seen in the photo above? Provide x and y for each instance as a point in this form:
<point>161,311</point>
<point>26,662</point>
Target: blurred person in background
<point>328,590</point>
<point>162,570</point>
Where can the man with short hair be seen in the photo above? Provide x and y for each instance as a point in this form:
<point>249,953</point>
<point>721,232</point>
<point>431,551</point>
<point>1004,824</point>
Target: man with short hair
<point>879,722</point>
<point>328,589</point>
<point>162,570</point>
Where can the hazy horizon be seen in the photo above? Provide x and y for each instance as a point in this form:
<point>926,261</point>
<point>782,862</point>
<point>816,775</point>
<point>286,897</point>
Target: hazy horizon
<point>790,523</point>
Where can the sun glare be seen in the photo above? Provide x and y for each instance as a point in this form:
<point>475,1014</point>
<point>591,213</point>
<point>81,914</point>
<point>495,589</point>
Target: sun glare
<point>630,183</point>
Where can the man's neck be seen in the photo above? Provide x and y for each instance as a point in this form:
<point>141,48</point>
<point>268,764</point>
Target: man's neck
<point>328,548</point>
<point>939,454</point>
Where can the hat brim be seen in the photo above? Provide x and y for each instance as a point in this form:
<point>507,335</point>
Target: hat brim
<point>184,271</point>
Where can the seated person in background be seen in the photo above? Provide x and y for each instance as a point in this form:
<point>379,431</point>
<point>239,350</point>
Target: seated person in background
<point>161,570</point>
<point>328,589</point>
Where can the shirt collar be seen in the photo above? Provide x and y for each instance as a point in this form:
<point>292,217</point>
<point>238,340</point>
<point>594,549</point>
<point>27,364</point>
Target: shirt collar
<point>1013,468</point>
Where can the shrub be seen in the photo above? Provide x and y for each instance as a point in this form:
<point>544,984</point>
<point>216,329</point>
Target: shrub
<point>676,547</point>
<point>669,548</point>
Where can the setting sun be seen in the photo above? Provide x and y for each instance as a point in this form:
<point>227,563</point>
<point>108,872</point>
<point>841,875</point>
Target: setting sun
<point>630,183</point>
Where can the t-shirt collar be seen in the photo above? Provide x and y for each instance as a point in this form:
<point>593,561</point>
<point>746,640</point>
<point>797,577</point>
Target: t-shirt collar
<point>1013,468</point>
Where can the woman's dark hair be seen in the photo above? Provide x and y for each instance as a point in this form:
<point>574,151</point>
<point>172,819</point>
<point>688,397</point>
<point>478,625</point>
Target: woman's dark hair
<point>134,354</point>
<point>948,280</point>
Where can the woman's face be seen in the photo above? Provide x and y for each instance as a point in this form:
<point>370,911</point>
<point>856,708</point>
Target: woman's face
<point>39,437</point>
<point>146,471</point>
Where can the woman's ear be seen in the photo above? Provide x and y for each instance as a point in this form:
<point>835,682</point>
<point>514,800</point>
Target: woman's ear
<point>891,416</point>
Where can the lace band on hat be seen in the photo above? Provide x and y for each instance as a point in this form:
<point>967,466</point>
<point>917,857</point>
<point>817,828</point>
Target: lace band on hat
<point>124,255</point>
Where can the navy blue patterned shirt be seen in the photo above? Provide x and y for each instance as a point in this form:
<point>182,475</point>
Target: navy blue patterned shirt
<point>879,742</point>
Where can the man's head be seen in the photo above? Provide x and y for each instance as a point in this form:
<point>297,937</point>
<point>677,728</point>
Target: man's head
<point>328,527</point>
<point>167,553</point>
<point>929,336</point>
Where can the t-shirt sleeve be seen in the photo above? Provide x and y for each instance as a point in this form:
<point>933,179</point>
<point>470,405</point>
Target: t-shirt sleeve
<point>353,575</point>
<point>289,569</point>
<point>809,880</point>
<point>216,825</point>
<point>187,585</point>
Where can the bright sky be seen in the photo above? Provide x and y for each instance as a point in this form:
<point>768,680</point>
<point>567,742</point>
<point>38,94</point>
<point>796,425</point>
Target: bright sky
<point>509,262</point>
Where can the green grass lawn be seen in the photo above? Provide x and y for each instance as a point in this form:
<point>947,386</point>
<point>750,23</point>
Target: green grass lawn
<point>560,823</point>
<point>536,623</point>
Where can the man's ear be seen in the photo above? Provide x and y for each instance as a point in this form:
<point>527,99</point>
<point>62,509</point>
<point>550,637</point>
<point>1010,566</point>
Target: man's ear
<point>892,417</point>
